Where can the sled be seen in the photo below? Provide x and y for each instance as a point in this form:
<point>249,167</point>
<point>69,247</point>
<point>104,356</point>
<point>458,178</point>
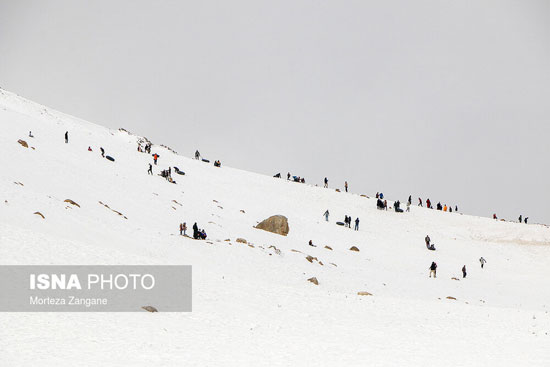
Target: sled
<point>110,158</point>
<point>205,160</point>
<point>341,223</point>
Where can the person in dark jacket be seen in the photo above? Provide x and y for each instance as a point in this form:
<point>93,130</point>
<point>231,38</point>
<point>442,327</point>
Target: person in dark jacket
<point>357,224</point>
<point>326,182</point>
<point>427,240</point>
<point>150,170</point>
<point>195,231</point>
<point>420,202</point>
<point>464,271</point>
<point>433,269</point>
<point>66,137</point>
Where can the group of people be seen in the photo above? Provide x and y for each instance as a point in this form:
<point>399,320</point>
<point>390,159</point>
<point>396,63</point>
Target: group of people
<point>347,220</point>
<point>198,234</point>
<point>217,163</point>
<point>167,174</point>
<point>438,206</point>
<point>145,149</point>
<point>433,266</point>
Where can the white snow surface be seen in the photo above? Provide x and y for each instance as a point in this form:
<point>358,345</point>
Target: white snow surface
<point>253,306</point>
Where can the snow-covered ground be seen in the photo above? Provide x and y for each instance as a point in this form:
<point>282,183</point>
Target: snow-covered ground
<point>253,305</point>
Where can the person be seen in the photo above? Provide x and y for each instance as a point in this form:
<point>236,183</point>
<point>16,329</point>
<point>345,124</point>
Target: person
<point>420,202</point>
<point>408,206</point>
<point>445,208</point>
<point>66,137</point>
<point>428,203</point>
<point>381,196</point>
<point>346,221</point>
<point>326,182</point>
<point>89,149</point>
<point>495,216</point>
<point>346,186</point>
<point>396,206</point>
<point>181,229</point>
<point>326,215</point>
<point>464,271</point>
<point>155,157</point>
<point>525,220</point>
<point>427,240</point>
<point>439,207</point>
<point>202,234</point>
<point>379,204</point>
<point>311,243</point>
<point>410,201</point>
<point>184,228</point>
<point>30,134</point>
<point>520,219</point>
<point>288,176</point>
<point>217,163</point>
<point>385,203</point>
<point>450,209</point>
<point>482,261</point>
<point>433,269</point>
<point>102,151</point>
<point>357,224</point>
<point>197,155</point>
<point>278,175</point>
<point>456,208</point>
<point>169,171</point>
<point>195,231</point>
<point>378,196</point>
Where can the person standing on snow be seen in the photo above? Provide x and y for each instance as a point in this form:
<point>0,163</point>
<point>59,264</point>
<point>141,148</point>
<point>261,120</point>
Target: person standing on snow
<point>195,231</point>
<point>197,155</point>
<point>464,271</point>
<point>326,215</point>
<point>181,229</point>
<point>326,182</point>
<point>346,186</point>
<point>357,224</point>
<point>410,200</point>
<point>420,202</point>
<point>155,157</point>
<point>433,269</point>
<point>520,219</point>
<point>102,151</point>
<point>408,206</point>
<point>150,170</point>
<point>525,220</point>
<point>427,240</point>
<point>482,261</point>
<point>495,216</point>
<point>428,203</point>
<point>385,203</point>
<point>184,228</point>
<point>66,137</point>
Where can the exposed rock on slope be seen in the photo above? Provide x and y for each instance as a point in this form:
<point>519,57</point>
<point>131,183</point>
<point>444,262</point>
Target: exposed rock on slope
<point>276,224</point>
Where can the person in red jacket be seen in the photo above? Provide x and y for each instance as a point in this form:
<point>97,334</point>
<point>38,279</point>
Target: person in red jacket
<point>155,157</point>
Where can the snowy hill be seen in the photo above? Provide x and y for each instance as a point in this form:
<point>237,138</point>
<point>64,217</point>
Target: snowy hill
<point>252,303</point>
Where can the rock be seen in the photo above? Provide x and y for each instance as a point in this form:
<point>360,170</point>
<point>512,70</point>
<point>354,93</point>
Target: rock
<point>313,280</point>
<point>227,240</point>
<point>241,240</point>
<point>40,214</point>
<point>328,248</point>
<point>363,196</point>
<point>275,224</point>
<point>292,250</point>
<point>337,190</point>
<point>449,297</point>
<point>333,264</point>
<point>150,309</point>
<point>310,258</point>
<point>321,263</point>
<point>23,143</point>
<point>364,294</point>
<point>453,278</point>
<point>71,202</point>
<point>242,211</point>
<point>353,248</point>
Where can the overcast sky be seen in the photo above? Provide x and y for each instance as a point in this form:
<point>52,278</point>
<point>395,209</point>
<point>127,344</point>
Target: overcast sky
<point>442,99</point>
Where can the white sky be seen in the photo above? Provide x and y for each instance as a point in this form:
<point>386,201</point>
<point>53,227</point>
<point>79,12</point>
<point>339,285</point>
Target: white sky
<point>441,99</point>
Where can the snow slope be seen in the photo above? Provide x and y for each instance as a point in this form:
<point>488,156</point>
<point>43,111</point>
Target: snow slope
<point>254,305</point>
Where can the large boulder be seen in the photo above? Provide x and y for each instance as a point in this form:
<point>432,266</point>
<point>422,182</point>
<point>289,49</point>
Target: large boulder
<point>275,224</point>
